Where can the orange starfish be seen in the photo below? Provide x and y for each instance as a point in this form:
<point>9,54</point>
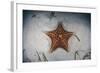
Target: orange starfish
<point>59,38</point>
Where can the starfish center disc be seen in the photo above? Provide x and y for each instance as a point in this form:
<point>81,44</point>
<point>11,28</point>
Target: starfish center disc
<point>60,35</point>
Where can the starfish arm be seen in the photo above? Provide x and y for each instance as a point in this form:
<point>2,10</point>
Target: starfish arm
<point>51,35</point>
<point>67,35</point>
<point>53,45</point>
<point>65,44</point>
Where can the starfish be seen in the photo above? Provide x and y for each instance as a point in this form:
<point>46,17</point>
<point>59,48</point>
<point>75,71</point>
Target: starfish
<point>60,38</point>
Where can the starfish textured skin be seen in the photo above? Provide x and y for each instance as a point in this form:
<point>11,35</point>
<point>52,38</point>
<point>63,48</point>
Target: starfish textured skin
<point>59,38</point>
